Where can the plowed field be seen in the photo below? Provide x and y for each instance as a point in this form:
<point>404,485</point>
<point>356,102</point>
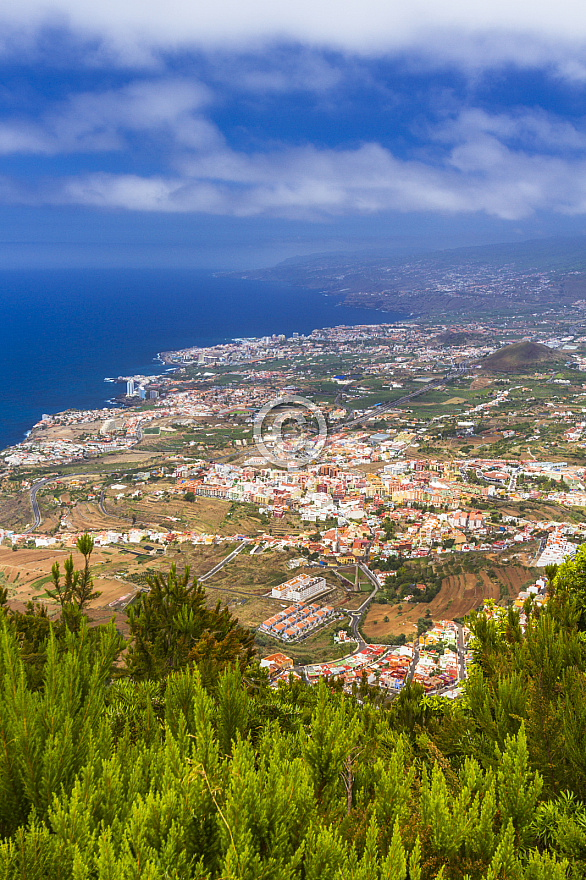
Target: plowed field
<point>459,594</point>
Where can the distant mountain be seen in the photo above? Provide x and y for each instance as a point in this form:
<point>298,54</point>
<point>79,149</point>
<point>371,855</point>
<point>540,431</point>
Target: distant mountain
<point>505,279</point>
<point>566,254</point>
<point>520,356</point>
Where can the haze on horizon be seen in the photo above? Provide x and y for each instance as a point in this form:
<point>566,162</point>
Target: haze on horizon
<point>236,135</point>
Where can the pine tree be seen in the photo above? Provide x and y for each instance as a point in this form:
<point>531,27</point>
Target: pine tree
<point>171,627</point>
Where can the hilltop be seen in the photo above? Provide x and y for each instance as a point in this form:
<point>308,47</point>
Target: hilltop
<point>519,356</point>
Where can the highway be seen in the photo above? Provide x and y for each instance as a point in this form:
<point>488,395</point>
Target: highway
<point>37,518</point>
<point>393,404</point>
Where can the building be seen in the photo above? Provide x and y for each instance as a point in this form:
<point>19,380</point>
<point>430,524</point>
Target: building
<point>130,388</point>
<point>295,623</point>
<point>280,660</point>
<point>301,588</point>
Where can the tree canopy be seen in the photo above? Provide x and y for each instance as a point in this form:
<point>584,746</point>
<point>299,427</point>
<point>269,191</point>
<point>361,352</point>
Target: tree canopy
<point>171,627</point>
<point>185,763</point>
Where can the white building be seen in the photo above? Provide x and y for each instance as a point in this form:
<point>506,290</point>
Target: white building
<point>301,588</point>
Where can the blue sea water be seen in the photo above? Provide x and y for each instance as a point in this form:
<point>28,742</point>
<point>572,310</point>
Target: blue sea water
<point>63,331</point>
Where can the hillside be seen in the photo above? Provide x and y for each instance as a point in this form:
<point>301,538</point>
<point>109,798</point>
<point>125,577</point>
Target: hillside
<point>519,356</point>
<point>498,279</point>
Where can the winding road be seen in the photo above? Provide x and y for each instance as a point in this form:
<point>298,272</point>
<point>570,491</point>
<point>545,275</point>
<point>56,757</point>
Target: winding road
<point>38,519</point>
<point>34,489</point>
<point>356,616</point>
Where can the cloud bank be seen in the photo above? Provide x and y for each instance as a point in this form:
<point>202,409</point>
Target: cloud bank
<point>507,165</point>
<point>158,142</point>
<point>516,29</point>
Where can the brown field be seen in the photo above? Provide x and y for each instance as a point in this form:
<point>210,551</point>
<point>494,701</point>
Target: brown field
<point>481,382</point>
<point>212,515</point>
<point>26,574</point>
<point>242,585</point>
<point>351,601</point>
<point>68,432</point>
<point>15,511</point>
<point>87,515</point>
<point>245,582</point>
<point>459,594</point>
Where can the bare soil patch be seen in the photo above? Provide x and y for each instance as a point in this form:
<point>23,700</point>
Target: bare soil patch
<point>459,595</point>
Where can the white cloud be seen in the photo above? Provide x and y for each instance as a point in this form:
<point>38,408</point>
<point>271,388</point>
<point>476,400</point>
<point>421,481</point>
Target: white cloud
<point>313,184</point>
<point>469,32</point>
<point>95,122</point>
<point>533,129</point>
<point>508,165</point>
<point>279,71</point>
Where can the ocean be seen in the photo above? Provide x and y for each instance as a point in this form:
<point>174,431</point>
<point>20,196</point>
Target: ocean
<point>63,331</point>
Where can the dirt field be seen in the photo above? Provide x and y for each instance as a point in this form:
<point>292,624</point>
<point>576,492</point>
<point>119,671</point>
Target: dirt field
<point>212,515</point>
<point>87,515</point>
<point>27,573</point>
<point>459,594</point>
<point>242,585</point>
<point>245,582</point>
<point>481,382</point>
<point>15,511</point>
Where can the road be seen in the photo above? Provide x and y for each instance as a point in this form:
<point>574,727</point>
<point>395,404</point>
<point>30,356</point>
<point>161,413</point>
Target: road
<point>125,519</point>
<point>460,652</point>
<point>513,480</point>
<point>223,562</point>
<point>414,662</point>
<point>112,515</point>
<point>38,519</point>
<point>356,616</point>
<point>393,404</point>
<point>539,551</point>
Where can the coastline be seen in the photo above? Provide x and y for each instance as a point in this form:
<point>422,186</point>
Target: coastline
<point>74,434</point>
<point>80,326</point>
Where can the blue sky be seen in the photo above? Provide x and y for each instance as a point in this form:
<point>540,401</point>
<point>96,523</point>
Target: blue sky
<point>239,133</point>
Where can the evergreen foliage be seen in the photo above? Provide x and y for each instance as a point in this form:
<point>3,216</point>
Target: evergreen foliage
<point>191,766</point>
<point>171,627</point>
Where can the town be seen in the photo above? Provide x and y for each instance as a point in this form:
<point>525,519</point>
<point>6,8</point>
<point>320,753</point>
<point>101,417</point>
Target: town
<point>451,476</point>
